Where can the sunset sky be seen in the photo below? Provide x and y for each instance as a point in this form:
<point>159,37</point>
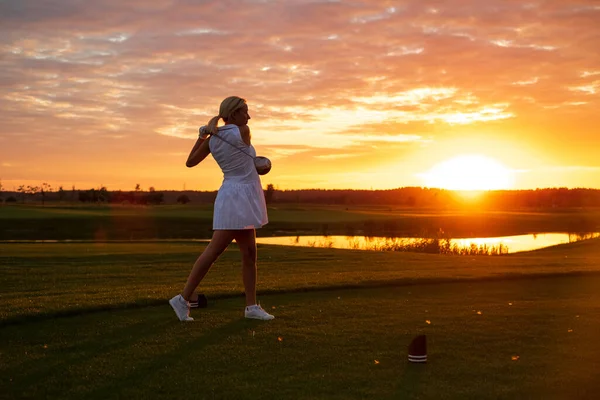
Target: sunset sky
<point>354,94</point>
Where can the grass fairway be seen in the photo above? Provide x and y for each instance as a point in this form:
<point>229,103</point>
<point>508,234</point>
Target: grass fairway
<point>117,222</point>
<point>91,321</point>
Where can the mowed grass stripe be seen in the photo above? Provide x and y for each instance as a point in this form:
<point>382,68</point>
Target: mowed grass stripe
<point>49,280</point>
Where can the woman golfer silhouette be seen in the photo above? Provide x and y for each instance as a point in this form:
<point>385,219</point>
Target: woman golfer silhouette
<point>239,208</point>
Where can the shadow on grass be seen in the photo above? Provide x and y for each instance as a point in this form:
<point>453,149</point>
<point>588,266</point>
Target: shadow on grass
<point>176,355</point>
<point>91,351</point>
<point>36,370</point>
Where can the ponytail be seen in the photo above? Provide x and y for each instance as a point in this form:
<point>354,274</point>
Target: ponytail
<point>212,125</point>
<point>228,106</point>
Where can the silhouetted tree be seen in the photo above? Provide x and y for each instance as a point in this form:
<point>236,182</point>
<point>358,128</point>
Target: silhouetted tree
<point>269,193</point>
<point>99,195</point>
<point>44,189</point>
<point>154,197</point>
<point>32,190</point>
<point>84,196</point>
<point>183,199</point>
<point>61,193</point>
<point>21,189</point>
<point>103,194</point>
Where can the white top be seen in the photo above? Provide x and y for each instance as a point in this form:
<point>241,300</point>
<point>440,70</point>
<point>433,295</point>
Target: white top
<point>240,202</point>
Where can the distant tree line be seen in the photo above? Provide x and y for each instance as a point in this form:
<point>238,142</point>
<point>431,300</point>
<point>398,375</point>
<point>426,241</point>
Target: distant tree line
<point>44,193</point>
<point>440,198</point>
<point>405,197</point>
<point>137,196</point>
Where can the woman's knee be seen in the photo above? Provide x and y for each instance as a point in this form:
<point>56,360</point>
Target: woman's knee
<point>213,253</point>
<point>218,244</point>
<point>249,255</point>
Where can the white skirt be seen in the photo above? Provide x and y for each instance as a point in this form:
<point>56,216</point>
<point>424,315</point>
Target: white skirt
<point>240,206</point>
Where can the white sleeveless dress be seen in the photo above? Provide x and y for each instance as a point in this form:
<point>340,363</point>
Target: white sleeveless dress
<point>240,202</point>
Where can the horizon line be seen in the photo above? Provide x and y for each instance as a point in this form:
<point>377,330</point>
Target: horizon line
<point>325,189</point>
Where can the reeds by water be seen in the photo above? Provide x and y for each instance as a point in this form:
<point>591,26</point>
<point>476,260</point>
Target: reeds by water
<point>434,244</point>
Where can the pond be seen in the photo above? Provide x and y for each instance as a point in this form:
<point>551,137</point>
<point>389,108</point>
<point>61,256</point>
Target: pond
<point>459,246</point>
<point>508,244</point>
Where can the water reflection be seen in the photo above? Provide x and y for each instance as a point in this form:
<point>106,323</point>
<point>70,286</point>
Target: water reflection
<point>497,245</point>
<point>462,246</point>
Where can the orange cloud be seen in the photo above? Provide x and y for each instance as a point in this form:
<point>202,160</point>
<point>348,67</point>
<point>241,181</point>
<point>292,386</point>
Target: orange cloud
<point>330,82</point>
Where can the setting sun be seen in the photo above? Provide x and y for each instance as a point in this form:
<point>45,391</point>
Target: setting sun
<point>469,172</point>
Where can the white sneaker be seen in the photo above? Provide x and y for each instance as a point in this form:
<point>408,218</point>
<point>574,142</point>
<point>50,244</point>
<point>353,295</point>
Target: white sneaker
<point>181,308</point>
<point>257,312</point>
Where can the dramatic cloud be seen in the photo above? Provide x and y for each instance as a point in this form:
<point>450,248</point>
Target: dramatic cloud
<point>333,83</point>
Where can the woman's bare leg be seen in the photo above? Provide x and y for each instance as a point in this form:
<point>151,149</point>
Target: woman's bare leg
<point>246,240</point>
<point>219,242</point>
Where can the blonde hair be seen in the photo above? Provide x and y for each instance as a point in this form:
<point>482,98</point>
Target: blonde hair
<point>228,107</point>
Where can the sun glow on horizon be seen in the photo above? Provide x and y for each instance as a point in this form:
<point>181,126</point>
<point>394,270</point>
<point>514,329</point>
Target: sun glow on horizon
<point>469,172</point>
<point>372,99</point>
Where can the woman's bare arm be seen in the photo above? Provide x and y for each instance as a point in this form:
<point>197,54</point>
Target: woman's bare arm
<point>199,152</point>
<point>245,133</point>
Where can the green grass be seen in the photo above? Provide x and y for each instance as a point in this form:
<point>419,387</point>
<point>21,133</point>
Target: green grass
<point>67,278</point>
<point>91,321</point>
<point>330,342</point>
<point>279,213</point>
<point>117,222</point>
